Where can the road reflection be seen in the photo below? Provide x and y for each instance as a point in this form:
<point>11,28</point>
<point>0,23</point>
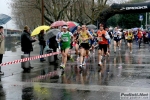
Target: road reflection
<point>2,92</point>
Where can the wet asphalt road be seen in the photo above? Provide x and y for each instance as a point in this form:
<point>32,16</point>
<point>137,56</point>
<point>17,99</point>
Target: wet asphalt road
<point>121,72</point>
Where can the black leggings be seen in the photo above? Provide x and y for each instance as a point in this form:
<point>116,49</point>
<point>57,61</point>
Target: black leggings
<point>1,58</point>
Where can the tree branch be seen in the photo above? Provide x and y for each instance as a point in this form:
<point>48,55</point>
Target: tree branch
<point>60,13</point>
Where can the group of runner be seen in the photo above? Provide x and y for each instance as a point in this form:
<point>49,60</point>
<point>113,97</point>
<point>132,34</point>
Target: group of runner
<point>139,35</point>
<point>87,40</point>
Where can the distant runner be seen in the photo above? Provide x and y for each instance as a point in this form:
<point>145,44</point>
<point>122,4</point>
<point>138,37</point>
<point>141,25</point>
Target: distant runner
<point>130,40</point>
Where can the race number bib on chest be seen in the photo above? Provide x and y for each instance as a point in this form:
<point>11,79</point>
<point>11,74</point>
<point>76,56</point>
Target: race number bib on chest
<point>129,36</point>
<point>100,39</point>
<point>65,39</point>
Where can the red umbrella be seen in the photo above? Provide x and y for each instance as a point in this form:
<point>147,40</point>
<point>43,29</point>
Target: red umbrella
<point>72,24</point>
<point>58,23</point>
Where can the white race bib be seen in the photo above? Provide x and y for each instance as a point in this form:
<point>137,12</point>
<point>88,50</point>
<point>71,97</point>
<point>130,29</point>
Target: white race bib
<point>100,39</point>
<point>65,39</point>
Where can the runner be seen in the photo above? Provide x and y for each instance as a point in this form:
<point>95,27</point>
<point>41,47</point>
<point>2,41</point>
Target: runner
<point>65,39</point>
<point>69,56</point>
<point>109,40</point>
<point>76,35</point>
<point>126,37</point>
<point>120,38</point>
<point>92,41</point>
<point>139,35</point>
<point>84,38</point>
<point>116,35</point>
<point>103,42</point>
<point>130,40</point>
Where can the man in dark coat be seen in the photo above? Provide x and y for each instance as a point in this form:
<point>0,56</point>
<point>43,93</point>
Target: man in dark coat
<point>54,45</point>
<point>26,41</point>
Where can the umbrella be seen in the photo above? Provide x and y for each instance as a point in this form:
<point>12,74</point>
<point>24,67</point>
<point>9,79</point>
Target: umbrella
<point>38,29</point>
<point>72,24</point>
<point>58,23</point>
<point>73,29</point>
<point>135,29</point>
<point>91,27</point>
<point>51,33</point>
<point>4,19</point>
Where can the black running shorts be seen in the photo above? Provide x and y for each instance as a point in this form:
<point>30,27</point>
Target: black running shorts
<point>103,47</point>
<point>86,46</point>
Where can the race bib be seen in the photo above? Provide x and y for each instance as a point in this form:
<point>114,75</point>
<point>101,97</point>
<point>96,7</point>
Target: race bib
<point>100,39</point>
<point>115,34</point>
<point>65,39</point>
<point>129,36</point>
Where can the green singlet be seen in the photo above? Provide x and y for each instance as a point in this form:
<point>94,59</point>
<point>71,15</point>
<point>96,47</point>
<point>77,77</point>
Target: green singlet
<point>66,40</point>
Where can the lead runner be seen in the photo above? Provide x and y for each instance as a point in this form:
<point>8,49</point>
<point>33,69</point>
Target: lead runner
<point>65,39</point>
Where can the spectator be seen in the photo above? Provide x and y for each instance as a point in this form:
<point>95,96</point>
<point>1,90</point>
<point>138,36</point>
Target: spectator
<point>26,42</point>
<point>146,37</point>
<point>42,43</point>
<point>149,37</point>
<point>2,47</point>
<point>53,44</point>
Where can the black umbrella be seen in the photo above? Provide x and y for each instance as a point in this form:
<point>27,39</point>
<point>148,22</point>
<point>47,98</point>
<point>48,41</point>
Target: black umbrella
<point>4,19</point>
<point>51,33</point>
<point>91,27</point>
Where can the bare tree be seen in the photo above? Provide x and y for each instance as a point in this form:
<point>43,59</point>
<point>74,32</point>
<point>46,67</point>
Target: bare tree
<point>28,12</point>
<point>24,14</point>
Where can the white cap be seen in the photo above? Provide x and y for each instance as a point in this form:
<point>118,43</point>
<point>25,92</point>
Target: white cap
<point>65,27</point>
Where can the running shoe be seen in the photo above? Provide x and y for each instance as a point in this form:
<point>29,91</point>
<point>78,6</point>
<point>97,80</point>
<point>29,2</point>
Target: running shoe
<point>62,66</point>
<point>83,64</point>
<point>71,58</point>
<point>100,63</point>
<point>80,67</point>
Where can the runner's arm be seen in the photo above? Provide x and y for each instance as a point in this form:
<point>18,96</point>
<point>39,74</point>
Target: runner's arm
<point>72,37</point>
<point>90,36</point>
<point>107,36</point>
<point>132,36</point>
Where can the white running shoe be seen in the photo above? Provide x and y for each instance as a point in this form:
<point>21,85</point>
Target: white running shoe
<point>80,66</point>
<point>100,63</point>
<point>83,63</point>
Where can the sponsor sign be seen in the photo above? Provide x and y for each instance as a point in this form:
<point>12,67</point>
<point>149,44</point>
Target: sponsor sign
<point>134,8</point>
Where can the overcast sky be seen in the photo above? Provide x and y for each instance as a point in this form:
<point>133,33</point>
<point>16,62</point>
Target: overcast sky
<point>6,9</point>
